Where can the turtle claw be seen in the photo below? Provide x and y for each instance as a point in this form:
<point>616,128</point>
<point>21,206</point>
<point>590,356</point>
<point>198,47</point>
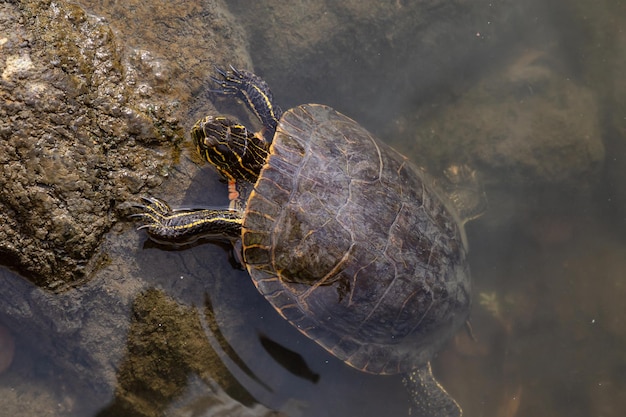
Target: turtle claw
<point>153,213</point>
<point>230,83</point>
<point>225,73</point>
<point>157,205</point>
<point>220,71</point>
<point>150,201</point>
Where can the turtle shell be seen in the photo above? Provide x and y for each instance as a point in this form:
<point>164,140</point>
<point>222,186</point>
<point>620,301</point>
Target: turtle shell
<point>352,244</point>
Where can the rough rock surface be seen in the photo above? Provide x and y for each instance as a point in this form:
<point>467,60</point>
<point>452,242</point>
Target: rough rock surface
<point>88,122</point>
<point>191,37</point>
<point>80,130</point>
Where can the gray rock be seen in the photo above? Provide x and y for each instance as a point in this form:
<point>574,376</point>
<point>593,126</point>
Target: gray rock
<point>527,124</point>
<point>371,59</point>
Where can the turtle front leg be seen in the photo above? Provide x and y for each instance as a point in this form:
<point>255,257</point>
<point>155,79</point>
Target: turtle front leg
<point>254,92</point>
<point>179,227</point>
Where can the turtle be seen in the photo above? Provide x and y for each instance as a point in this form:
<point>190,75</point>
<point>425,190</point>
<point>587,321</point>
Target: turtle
<point>353,244</point>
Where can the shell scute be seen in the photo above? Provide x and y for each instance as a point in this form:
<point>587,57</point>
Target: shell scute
<point>356,249</point>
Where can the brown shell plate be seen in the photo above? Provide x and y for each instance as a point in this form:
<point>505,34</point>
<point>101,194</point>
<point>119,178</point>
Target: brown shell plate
<point>350,243</point>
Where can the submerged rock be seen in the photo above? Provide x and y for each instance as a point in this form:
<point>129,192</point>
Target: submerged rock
<point>528,124</point>
<point>371,59</point>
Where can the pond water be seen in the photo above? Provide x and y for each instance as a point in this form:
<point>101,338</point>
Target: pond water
<point>538,107</point>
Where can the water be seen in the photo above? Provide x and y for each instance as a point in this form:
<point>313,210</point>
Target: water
<point>531,95</point>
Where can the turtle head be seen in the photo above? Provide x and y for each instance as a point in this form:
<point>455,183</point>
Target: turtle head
<point>235,152</point>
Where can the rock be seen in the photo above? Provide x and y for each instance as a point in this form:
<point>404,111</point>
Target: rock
<point>526,124</point>
<point>118,346</point>
<point>501,109</point>
<point>188,38</point>
<point>89,123</point>
<point>167,345</point>
<point>607,63</point>
<point>76,138</point>
<point>372,59</point>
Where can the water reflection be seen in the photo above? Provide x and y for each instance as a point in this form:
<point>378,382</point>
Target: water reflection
<point>166,346</point>
<point>275,364</point>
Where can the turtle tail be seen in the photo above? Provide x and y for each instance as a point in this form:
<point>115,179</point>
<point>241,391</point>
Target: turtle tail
<point>430,398</point>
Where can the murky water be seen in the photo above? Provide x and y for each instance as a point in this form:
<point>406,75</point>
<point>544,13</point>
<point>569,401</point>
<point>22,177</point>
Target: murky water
<point>548,257</point>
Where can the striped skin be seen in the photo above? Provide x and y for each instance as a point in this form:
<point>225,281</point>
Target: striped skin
<point>180,227</point>
<point>238,155</point>
<point>255,94</point>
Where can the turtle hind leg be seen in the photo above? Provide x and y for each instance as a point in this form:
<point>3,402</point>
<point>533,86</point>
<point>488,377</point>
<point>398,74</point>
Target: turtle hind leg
<point>430,398</point>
